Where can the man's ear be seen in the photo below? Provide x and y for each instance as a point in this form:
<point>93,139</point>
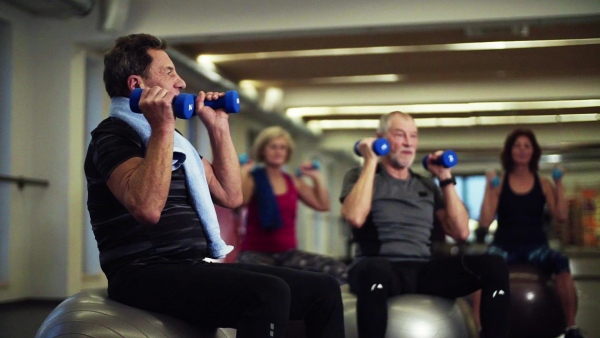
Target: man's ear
<point>134,81</point>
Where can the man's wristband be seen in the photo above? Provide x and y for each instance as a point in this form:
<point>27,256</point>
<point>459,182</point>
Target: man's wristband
<point>447,181</point>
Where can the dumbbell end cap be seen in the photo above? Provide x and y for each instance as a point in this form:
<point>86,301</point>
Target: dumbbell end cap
<point>449,158</point>
<point>134,100</point>
<point>232,102</point>
<point>381,146</point>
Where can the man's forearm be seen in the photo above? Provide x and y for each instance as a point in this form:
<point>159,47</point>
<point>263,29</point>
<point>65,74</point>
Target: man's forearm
<point>321,192</point>
<point>357,204</point>
<point>456,214</point>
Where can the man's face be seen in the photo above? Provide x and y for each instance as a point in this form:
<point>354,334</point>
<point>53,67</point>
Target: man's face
<point>403,137</point>
<point>162,73</point>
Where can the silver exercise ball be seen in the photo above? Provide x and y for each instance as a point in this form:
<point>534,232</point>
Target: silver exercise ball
<point>91,313</point>
<point>418,316</point>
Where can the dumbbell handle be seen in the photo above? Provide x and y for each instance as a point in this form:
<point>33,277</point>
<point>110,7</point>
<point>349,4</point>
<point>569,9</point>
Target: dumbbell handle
<point>380,147</point>
<point>184,105</point>
<point>448,159</point>
<point>316,165</point>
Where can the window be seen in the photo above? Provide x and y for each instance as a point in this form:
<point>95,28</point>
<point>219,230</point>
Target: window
<point>472,194</point>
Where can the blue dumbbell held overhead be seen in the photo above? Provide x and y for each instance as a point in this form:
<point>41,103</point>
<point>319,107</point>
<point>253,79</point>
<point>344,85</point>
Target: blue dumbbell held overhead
<point>448,159</point>
<point>184,105</point>
<point>380,147</point>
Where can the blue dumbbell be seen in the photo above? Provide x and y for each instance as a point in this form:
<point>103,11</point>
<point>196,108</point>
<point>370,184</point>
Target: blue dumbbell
<point>243,158</point>
<point>557,174</point>
<point>316,165</point>
<point>381,147</point>
<point>495,181</point>
<point>448,159</point>
<point>184,104</point>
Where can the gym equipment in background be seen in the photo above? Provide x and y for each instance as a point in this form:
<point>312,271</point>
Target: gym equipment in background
<point>536,310</point>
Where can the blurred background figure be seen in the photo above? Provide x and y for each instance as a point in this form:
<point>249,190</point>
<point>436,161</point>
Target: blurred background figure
<point>271,196</point>
<point>519,199</point>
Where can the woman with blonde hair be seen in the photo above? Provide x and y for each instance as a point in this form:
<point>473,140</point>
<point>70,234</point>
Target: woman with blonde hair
<point>271,196</point>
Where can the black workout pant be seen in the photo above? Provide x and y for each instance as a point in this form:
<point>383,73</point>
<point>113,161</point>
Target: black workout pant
<point>256,300</point>
<point>451,277</point>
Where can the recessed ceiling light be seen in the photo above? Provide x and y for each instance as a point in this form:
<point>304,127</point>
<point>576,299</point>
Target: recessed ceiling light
<point>466,46</point>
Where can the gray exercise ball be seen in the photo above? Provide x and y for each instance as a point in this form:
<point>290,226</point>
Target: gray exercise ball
<point>91,313</point>
<point>422,316</point>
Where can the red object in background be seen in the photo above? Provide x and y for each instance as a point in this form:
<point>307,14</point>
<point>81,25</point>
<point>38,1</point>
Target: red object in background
<point>231,222</point>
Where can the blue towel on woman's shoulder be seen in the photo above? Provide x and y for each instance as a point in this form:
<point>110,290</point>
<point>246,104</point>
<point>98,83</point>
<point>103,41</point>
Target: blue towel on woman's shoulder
<point>183,154</point>
<point>268,210</point>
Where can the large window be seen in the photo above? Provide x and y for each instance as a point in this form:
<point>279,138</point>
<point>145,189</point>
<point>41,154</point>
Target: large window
<point>5,143</point>
<point>471,189</point>
<point>472,194</point>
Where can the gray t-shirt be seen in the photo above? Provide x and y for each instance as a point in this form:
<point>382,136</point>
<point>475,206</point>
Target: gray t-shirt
<point>401,220</point>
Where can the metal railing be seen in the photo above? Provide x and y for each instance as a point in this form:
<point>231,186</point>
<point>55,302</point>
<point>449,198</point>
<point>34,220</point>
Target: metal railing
<point>22,181</point>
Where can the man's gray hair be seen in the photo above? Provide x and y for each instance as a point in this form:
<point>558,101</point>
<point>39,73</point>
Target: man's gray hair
<point>385,119</point>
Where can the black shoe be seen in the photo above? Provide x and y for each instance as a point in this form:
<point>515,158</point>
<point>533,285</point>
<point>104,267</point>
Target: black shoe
<point>573,332</point>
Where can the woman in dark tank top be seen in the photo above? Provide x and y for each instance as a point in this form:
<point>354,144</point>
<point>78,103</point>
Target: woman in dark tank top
<point>518,201</point>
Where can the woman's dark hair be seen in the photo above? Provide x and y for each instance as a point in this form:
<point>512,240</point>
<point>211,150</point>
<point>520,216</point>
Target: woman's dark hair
<point>506,156</point>
<point>128,57</point>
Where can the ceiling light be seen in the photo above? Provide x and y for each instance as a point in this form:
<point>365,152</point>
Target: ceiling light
<point>467,46</point>
<point>206,62</point>
<point>436,108</point>
<point>249,89</point>
<point>552,158</point>
<point>444,122</point>
<point>272,99</point>
<point>358,79</point>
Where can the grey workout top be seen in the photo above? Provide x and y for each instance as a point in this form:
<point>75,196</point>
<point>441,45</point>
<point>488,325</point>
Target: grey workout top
<point>401,220</point>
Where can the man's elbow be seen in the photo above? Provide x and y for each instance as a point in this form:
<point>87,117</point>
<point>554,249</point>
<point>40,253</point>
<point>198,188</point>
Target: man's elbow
<point>149,217</point>
<point>354,221</point>
<point>231,201</point>
<point>323,208</point>
<point>237,201</point>
<point>234,199</point>
<point>462,235</point>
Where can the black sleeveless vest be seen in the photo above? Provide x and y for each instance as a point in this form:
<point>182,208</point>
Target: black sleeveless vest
<point>520,217</point>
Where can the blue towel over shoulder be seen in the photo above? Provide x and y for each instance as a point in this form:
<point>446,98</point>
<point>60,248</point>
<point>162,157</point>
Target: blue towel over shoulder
<point>183,154</point>
<point>268,210</point>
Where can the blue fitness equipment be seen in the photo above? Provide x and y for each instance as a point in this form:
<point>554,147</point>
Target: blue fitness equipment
<point>557,174</point>
<point>316,165</point>
<point>184,105</point>
<point>381,147</point>
<point>448,159</point>
<point>243,158</point>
